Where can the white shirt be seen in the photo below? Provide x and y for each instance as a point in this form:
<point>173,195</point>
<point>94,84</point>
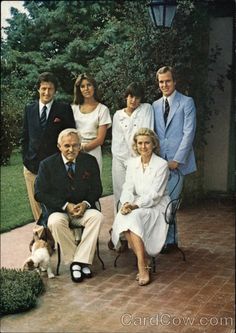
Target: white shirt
<point>41,105</point>
<point>124,127</point>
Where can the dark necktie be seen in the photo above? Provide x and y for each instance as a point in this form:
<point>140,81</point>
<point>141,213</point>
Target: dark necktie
<point>70,170</point>
<point>43,118</point>
<point>167,109</point>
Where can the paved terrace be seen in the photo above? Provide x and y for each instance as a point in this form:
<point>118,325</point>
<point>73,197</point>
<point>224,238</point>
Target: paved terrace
<point>184,297</point>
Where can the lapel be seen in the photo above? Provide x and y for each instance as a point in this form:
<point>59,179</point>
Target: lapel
<point>79,165</point>
<point>174,108</point>
<point>35,115</point>
<point>60,166</point>
<point>161,114</point>
<point>52,112</point>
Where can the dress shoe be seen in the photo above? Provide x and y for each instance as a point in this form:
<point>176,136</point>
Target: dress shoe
<point>76,272</point>
<point>168,248</point>
<point>86,271</point>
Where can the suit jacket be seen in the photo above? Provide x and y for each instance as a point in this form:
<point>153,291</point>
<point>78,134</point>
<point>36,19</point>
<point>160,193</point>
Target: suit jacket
<point>37,144</point>
<point>54,188</point>
<point>176,138</point>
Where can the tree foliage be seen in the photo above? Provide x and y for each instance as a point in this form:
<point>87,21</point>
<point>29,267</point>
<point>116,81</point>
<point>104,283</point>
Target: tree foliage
<point>114,41</point>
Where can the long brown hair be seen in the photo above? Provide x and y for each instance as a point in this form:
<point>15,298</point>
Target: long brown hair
<point>78,97</point>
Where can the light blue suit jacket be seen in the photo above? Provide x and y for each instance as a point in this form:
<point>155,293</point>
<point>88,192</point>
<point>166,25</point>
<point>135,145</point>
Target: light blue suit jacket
<point>176,138</point>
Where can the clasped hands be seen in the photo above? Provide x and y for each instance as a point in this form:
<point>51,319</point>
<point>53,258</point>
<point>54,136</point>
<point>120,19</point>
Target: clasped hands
<point>127,208</point>
<point>76,210</point>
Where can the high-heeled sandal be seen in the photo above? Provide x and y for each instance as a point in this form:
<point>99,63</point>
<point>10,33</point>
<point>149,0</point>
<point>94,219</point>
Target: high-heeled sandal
<point>144,282</point>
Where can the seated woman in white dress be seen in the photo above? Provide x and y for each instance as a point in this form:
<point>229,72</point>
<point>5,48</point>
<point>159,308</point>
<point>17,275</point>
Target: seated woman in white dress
<point>143,200</point>
<point>125,123</point>
<point>92,118</point>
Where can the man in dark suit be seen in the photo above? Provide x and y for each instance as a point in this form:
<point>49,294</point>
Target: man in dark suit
<point>43,121</point>
<point>69,184</point>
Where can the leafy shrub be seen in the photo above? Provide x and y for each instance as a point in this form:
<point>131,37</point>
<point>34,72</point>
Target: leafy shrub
<point>13,101</point>
<point>19,290</point>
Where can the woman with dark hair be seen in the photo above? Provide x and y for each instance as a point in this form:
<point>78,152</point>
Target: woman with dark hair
<point>144,199</point>
<point>126,122</point>
<point>92,118</point>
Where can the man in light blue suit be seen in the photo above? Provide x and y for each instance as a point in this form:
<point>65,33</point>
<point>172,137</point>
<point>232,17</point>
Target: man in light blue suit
<point>175,125</point>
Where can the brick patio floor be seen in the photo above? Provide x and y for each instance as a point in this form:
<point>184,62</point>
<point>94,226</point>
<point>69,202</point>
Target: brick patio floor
<point>184,297</point>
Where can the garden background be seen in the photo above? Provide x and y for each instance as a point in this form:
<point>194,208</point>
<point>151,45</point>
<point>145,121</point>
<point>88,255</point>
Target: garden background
<point>115,42</point>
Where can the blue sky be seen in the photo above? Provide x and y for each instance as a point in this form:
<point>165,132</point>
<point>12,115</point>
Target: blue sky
<point>5,10</point>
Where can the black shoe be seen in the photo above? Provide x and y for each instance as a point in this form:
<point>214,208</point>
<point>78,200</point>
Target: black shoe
<point>86,271</point>
<point>168,248</point>
<point>76,272</point>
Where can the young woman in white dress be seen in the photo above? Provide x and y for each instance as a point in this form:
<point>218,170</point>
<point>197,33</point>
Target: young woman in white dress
<point>92,118</point>
<point>143,200</point>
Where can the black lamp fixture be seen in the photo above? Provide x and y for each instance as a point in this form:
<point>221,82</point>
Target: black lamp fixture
<point>162,12</point>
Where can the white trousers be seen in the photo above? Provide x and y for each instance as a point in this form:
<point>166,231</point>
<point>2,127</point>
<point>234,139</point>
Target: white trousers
<point>30,180</point>
<point>59,224</point>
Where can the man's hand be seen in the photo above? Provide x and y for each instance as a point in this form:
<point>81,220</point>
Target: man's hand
<point>76,210</point>
<point>173,165</point>
<point>127,208</point>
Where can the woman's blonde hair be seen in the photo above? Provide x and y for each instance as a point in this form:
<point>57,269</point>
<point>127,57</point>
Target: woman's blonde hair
<point>147,132</point>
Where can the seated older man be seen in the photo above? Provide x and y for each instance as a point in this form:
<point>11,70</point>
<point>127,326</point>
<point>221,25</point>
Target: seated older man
<point>69,184</point>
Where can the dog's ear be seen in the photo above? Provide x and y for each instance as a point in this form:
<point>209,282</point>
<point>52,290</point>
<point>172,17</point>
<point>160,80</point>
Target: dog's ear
<point>28,265</point>
<point>35,236</point>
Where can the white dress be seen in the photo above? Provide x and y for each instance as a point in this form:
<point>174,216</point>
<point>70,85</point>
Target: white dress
<point>149,191</point>
<point>88,124</point>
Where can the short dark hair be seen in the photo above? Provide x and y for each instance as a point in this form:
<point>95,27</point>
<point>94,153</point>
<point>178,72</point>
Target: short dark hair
<point>135,89</point>
<point>47,77</point>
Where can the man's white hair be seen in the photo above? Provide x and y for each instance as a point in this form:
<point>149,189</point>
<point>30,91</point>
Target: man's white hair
<point>68,132</point>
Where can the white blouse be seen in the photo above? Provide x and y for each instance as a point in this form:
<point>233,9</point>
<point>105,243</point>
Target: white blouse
<point>88,123</point>
<point>124,127</point>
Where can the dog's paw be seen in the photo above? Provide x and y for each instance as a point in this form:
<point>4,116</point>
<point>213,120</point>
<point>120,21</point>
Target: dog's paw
<point>51,275</point>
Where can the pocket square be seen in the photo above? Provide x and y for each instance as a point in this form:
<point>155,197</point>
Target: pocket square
<point>86,175</point>
<point>57,120</point>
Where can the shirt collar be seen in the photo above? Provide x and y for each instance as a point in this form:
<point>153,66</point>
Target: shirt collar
<point>170,98</point>
<point>65,160</point>
<point>48,105</point>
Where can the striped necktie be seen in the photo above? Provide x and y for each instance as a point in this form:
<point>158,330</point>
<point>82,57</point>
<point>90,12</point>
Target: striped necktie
<point>43,118</point>
<point>70,170</point>
<point>167,109</point>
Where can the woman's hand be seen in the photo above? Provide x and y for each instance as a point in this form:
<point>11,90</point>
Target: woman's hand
<point>127,208</point>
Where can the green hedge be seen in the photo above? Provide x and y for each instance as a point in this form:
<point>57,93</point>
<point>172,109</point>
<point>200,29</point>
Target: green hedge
<point>19,290</point>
